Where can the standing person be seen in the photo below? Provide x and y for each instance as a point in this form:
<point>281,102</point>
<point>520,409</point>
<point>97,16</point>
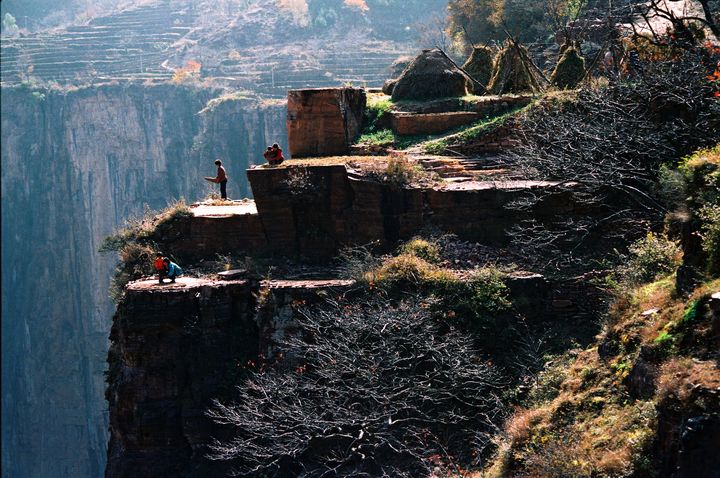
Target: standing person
<point>172,270</point>
<point>160,266</point>
<point>221,178</point>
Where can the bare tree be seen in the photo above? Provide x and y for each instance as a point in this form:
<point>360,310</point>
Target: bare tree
<point>605,147</point>
<point>364,390</point>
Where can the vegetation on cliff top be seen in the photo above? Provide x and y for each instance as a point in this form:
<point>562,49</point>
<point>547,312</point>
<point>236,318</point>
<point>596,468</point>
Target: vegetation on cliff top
<point>136,246</point>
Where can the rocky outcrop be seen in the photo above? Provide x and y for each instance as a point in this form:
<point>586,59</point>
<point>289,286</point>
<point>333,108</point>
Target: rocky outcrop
<point>174,349</point>
<point>324,122</point>
<point>75,165</point>
<point>314,211</point>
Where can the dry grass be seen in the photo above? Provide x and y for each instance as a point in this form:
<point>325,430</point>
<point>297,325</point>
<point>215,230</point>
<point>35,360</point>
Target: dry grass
<point>594,426</point>
<point>680,377</point>
<point>355,162</point>
<point>409,269</point>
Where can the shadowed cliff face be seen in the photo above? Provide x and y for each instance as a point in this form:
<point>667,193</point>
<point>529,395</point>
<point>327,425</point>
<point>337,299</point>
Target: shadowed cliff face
<point>74,167</point>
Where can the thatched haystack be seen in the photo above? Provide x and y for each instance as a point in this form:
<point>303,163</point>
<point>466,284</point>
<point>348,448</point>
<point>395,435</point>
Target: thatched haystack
<point>431,75</point>
<point>570,70</point>
<point>512,72</point>
<point>480,66</point>
<point>399,65</point>
<point>389,86</point>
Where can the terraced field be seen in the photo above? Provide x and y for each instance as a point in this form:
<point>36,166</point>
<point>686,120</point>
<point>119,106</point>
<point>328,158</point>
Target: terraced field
<point>144,43</point>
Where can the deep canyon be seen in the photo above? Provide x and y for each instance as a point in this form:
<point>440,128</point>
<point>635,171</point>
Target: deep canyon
<point>76,165</point>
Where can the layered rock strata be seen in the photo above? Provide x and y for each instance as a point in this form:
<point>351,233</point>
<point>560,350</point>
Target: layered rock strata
<point>330,209</point>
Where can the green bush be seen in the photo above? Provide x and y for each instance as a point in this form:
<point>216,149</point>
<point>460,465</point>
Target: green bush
<point>650,258</point>
<point>710,232</point>
<point>375,111</point>
<point>474,300</point>
<point>701,171</point>
<point>422,248</point>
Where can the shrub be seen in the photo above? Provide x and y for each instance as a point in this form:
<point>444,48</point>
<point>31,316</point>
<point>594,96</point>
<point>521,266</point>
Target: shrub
<point>422,248</point>
<point>399,172</point>
<point>474,300</point>
<point>710,232</point>
<point>135,246</point>
<point>376,111</point>
<point>701,171</point>
<point>136,261</point>
<point>410,271</point>
<point>358,263</point>
<point>298,181</point>
<point>478,298</point>
<point>650,258</point>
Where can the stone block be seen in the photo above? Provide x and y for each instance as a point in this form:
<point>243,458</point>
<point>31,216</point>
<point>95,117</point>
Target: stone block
<point>324,121</point>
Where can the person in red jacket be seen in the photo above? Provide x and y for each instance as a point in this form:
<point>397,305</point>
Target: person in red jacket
<point>160,266</point>
<point>274,155</point>
<point>221,178</point>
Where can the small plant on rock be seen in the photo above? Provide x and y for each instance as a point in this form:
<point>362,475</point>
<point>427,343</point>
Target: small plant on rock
<point>298,181</point>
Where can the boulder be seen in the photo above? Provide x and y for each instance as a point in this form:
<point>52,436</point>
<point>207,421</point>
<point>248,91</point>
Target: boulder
<point>324,121</point>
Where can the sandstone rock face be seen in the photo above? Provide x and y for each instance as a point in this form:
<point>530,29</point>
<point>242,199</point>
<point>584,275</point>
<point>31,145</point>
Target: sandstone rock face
<point>174,349</point>
<point>324,122</point>
<point>75,165</point>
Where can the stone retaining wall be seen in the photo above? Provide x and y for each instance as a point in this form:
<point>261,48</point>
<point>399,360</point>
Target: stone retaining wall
<point>407,124</point>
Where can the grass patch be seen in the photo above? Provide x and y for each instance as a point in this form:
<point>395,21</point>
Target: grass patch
<point>422,248</point>
<point>474,131</point>
<point>384,138</point>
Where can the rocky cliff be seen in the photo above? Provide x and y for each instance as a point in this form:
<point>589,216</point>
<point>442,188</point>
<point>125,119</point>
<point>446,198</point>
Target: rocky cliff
<point>173,350</point>
<point>75,165</point>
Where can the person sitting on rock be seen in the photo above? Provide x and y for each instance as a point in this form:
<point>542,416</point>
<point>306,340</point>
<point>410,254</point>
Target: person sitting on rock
<point>172,270</point>
<point>160,266</point>
<point>274,155</point>
<point>221,178</point>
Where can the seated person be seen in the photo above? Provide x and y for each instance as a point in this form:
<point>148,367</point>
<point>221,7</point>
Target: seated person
<point>172,270</point>
<point>274,155</point>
